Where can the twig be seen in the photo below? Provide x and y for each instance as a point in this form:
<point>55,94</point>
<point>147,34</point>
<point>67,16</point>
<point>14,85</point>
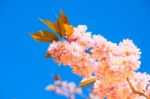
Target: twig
<point>135,91</point>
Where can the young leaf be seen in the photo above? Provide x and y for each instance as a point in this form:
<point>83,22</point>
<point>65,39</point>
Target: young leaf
<point>68,29</point>
<point>44,36</point>
<point>60,28</point>
<point>87,81</point>
<point>63,18</point>
<point>50,24</point>
<point>48,55</point>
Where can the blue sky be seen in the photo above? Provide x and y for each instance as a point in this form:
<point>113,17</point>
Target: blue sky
<point>24,72</point>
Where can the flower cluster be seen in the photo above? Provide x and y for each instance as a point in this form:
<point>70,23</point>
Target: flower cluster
<point>68,89</point>
<point>114,65</point>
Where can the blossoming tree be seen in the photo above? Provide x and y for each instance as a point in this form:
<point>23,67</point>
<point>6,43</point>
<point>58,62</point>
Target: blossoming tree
<point>111,67</point>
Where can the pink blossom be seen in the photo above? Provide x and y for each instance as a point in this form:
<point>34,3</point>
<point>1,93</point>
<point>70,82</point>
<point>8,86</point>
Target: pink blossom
<point>68,89</point>
<point>111,63</point>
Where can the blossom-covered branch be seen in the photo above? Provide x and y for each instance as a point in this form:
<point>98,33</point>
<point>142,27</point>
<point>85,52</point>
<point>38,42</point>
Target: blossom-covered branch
<point>97,60</point>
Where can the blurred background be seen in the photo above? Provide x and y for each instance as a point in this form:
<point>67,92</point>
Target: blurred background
<point>24,71</point>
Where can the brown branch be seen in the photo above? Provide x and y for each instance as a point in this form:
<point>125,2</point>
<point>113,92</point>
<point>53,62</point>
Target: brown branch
<point>135,91</point>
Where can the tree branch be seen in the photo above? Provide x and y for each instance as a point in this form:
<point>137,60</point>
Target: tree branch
<point>135,91</point>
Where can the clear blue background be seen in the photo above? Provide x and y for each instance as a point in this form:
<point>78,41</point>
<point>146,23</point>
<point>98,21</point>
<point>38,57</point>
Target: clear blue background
<point>24,72</point>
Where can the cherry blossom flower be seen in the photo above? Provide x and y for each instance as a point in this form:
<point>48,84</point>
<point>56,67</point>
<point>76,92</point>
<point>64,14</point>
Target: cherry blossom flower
<point>114,65</point>
<point>68,89</point>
